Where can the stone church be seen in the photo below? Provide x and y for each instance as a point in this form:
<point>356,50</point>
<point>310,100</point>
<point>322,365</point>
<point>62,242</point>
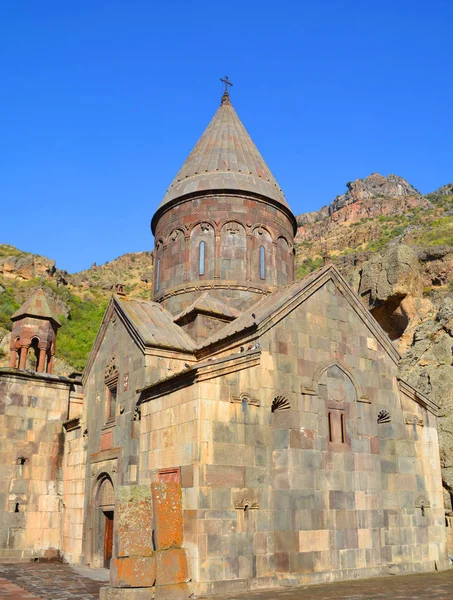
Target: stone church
<point>240,429</point>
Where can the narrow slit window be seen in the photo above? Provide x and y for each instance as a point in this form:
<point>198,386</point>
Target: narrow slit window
<point>343,434</point>
<point>262,263</point>
<point>201,258</point>
<point>112,396</point>
<point>330,427</point>
<point>157,274</point>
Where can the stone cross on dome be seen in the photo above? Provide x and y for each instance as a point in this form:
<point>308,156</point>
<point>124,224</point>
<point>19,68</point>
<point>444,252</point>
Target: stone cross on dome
<point>226,94</point>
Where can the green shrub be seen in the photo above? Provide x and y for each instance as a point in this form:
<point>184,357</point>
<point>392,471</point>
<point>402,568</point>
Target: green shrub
<point>438,232</point>
<point>78,332</point>
<point>8,306</point>
<point>307,266</point>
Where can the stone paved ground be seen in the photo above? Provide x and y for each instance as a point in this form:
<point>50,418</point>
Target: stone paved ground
<point>54,581</point>
<point>47,581</point>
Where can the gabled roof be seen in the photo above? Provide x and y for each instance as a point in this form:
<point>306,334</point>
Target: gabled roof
<point>36,306</point>
<point>150,325</point>
<point>417,396</point>
<point>154,324</point>
<point>277,305</point>
<point>208,304</point>
<point>224,158</point>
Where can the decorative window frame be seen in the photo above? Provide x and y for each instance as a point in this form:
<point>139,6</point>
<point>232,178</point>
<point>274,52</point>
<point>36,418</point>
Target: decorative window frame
<point>111,382</point>
<point>245,397</point>
<point>342,413</point>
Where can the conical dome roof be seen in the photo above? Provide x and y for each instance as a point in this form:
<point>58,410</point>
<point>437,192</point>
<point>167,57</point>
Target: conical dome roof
<point>224,158</point>
<point>36,306</point>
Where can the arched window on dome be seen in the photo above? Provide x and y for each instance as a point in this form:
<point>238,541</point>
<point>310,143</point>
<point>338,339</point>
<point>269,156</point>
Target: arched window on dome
<point>158,275</point>
<point>201,259</point>
<point>262,263</point>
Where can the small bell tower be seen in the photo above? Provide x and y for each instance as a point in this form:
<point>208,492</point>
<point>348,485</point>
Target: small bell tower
<point>34,332</point>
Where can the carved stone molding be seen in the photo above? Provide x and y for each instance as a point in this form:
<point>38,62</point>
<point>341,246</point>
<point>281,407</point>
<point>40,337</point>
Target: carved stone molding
<point>245,397</point>
<point>414,420</point>
<point>111,370</point>
<point>280,403</point>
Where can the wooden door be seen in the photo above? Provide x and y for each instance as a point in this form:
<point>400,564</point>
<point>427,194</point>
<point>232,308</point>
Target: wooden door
<point>108,538</point>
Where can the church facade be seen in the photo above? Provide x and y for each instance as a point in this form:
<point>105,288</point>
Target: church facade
<point>271,407</point>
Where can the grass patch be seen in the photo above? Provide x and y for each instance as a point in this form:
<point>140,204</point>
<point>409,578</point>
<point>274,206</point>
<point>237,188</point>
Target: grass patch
<point>6,251</point>
<point>439,232</point>
<point>308,266</point>
<point>386,236</point>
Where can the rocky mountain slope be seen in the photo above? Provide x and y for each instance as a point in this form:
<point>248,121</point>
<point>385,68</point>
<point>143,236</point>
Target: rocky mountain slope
<point>394,245</point>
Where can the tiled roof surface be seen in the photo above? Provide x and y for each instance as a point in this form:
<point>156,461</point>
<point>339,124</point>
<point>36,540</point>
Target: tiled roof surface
<point>271,304</point>
<point>154,324</point>
<point>260,311</point>
<point>225,158</point>
<point>209,304</point>
<point>36,306</point>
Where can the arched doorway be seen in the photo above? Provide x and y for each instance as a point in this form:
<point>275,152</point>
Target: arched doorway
<point>105,510</point>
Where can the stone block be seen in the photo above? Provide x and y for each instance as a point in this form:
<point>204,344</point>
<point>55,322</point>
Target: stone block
<point>177,591</point>
<point>301,439</point>
<point>224,476</point>
<point>218,545</point>
<point>187,476</point>
<point>112,593</point>
<point>281,562</point>
<point>280,438</point>
<point>168,515</point>
<point>171,566</point>
<point>134,521</point>
<point>302,562</point>
<point>221,499</point>
<point>133,571</point>
<point>286,541</point>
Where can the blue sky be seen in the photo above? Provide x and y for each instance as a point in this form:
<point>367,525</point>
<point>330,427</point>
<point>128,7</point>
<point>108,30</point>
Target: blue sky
<point>101,101</point>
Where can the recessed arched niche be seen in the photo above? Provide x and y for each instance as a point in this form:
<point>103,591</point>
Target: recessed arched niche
<point>262,257</point>
<point>283,262</point>
<point>175,257</point>
<point>158,265</point>
<point>202,252</point>
<point>233,251</point>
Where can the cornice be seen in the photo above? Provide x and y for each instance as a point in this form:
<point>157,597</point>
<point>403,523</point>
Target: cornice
<point>200,372</point>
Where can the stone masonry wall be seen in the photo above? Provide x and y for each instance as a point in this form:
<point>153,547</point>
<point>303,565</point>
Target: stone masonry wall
<point>32,410</point>
<point>278,497</point>
<point>112,444</point>
<point>232,228</point>
<point>74,465</point>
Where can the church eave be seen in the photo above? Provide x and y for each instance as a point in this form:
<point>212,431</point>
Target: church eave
<point>49,378</point>
<point>417,397</point>
<point>204,370</point>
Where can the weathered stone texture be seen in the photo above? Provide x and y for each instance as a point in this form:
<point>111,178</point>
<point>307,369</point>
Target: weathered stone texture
<point>73,472</point>
<point>134,521</point>
<point>32,409</point>
<point>276,498</point>
<point>168,518</point>
<point>233,228</point>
